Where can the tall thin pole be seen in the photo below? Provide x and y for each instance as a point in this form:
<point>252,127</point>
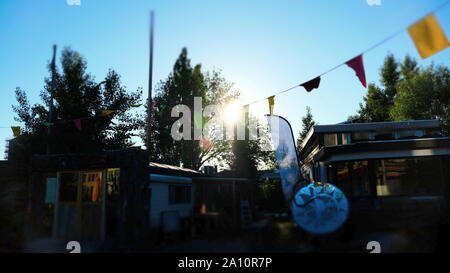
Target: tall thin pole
<point>150,78</point>
<point>52,91</point>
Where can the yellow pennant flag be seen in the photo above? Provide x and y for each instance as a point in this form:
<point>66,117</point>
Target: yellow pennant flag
<point>271,104</point>
<point>428,36</point>
<point>107,112</point>
<point>16,130</point>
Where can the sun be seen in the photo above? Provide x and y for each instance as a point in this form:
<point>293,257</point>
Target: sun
<point>231,113</point>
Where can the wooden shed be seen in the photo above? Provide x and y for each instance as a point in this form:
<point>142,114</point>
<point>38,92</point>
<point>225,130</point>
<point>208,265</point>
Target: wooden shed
<point>100,197</point>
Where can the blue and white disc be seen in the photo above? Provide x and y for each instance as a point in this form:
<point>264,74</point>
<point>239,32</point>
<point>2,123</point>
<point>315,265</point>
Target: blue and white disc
<point>320,208</point>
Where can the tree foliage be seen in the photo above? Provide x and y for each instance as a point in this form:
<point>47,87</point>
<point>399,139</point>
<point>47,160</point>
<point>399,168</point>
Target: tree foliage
<point>408,92</point>
<point>182,85</point>
<point>249,155</point>
<point>378,100</point>
<point>270,196</point>
<point>307,123</point>
<point>77,96</point>
<point>180,88</point>
<point>425,95</point>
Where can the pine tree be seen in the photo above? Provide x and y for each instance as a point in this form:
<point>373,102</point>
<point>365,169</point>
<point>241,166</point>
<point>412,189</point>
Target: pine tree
<point>307,123</point>
<point>180,88</point>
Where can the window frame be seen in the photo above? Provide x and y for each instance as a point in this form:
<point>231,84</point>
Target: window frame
<point>186,193</point>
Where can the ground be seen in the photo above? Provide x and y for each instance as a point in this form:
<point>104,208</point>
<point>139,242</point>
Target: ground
<point>282,235</point>
<point>274,235</point>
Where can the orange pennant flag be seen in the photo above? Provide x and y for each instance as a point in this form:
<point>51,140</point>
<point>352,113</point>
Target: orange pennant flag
<point>428,36</point>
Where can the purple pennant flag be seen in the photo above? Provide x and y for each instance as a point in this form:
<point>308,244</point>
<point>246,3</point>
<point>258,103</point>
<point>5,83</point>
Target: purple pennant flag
<point>77,123</point>
<point>310,85</point>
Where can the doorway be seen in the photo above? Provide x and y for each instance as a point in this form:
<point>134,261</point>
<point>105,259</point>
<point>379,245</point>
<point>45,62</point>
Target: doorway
<point>80,205</point>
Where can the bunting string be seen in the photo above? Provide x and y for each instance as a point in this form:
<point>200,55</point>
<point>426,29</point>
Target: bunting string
<point>76,122</point>
<point>425,32</point>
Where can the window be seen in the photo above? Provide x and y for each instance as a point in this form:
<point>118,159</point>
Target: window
<point>409,134</point>
<point>91,187</point>
<point>330,139</point>
<point>112,184</point>
<point>343,138</point>
<point>50,201</point>
<point>360,178</point>
<point>346,138</point>
<point>68,187</point>
<point>411,176</point>
<point>179,194</point>
<point>339,139</point>
<point>384,135</point>
<point>432,133</point>
<point>50,190</point>
<point>79,206</point>
<point>343,180</point>
<point>362,136</point>
<point>389,177</point>
<point>353,178</point>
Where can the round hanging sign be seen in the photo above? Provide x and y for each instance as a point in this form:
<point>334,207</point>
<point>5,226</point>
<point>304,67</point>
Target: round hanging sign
<point>320,208</point>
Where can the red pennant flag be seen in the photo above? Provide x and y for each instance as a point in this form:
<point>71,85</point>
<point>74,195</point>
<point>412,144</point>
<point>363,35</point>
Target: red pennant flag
<point>205,143</point>
<point>77,123</point>
<point>357,65</point>
<point>310,85</point>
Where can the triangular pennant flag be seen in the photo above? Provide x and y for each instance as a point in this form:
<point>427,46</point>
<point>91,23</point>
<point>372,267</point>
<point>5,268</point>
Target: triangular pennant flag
<point>107,112</point>
<point>271,100</point>
<point>310,85</point>
<point>16,130</point>
<point>205,143</point>
<point>136,105</point>
<point>198,121</point>
<point>428,36</point>
<point>357,65</point>
<point>77,123</point>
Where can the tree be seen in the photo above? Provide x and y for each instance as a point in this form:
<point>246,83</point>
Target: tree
<point>182,85</point>
<point>408,68</point>
<point>408,92</point>
<point>251,154</point>
<point>78,96</point>
<point>307,123</point>
<point>180,88</point>
<point>378,100</point>
<point>424,95</point>
<point>389,77</point>
<point>270,196</point>
<point>375,106</point>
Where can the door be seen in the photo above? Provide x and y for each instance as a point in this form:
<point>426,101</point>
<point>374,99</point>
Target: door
<point>79,208</point>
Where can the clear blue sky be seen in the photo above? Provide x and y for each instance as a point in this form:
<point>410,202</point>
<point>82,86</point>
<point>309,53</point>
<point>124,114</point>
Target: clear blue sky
<point>262,46</point>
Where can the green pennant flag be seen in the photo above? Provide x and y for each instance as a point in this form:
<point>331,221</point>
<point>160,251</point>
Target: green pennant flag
<point>136,105</point>
<point>48,123</point>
